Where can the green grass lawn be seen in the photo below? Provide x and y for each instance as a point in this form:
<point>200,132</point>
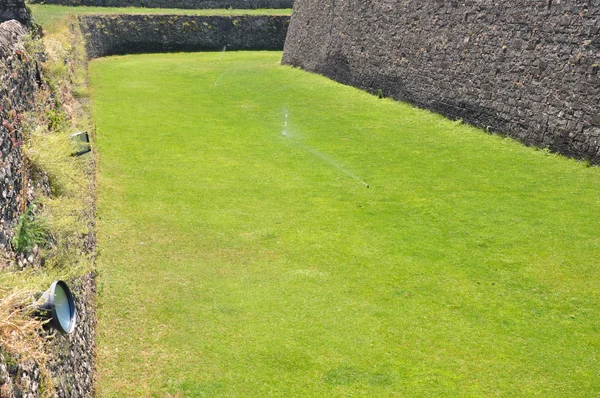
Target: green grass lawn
<point>241,255</point>
<point>49,16</point>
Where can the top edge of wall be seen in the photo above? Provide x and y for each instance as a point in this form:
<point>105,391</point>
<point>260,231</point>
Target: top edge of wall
<point>181,4</point>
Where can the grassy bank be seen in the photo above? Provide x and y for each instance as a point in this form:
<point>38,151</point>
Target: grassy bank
<point>242,254</point>
<point>53,233</point>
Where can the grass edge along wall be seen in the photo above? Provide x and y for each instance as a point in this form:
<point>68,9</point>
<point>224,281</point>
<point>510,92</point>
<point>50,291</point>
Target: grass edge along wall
<point>528,69</point>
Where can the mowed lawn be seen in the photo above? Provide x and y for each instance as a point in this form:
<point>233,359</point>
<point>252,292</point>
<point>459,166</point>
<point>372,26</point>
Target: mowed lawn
<point>241,253</point>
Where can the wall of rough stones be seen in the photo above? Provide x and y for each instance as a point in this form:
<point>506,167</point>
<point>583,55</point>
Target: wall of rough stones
<point>72,364</point>
<point>526,68</point>
<point>14,9</point>
<point>128,34</point>
<point>189,4</point>
<point>19,80</point>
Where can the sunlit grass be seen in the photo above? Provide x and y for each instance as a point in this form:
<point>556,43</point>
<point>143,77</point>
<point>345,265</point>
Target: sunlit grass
<point>241,255</point>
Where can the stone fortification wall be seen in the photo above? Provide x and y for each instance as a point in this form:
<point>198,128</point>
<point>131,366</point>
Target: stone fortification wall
<point>189,4</point>
<point>19,80</point>
<point>72,356</point>
<point>128,34</point>
<point>526,68</point>
<point>14,9</point>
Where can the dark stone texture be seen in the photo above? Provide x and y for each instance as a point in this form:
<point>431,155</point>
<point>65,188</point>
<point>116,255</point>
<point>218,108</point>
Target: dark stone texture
<point>189,4</point>
<point>18,84</point>
<point>128,34</point>
<point>18,379</point>
<point>14,9</point>
<point>525,68</point>
<point>72,364</point>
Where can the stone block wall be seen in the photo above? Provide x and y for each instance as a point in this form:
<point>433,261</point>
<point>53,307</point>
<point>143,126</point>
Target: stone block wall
<point>72,356</point>
<point>189,4</point>
<point>14,9</point>
<point>19,80</point>
<point>526,68</point>
<point>130,34</point>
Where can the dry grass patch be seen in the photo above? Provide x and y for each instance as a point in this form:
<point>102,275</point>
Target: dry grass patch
<point>22,335</point>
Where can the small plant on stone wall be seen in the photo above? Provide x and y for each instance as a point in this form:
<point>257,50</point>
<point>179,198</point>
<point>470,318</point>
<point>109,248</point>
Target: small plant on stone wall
<point>29,232</point>
<point>56,119</point>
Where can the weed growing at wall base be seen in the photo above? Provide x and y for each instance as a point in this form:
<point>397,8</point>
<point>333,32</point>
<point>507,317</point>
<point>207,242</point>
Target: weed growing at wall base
<point>29,232</point>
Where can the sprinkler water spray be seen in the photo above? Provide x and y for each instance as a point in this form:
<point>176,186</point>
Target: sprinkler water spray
<point>222,74</point>
<point>264,95</point>
<point>317,154</point>
<point>285,123</point>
